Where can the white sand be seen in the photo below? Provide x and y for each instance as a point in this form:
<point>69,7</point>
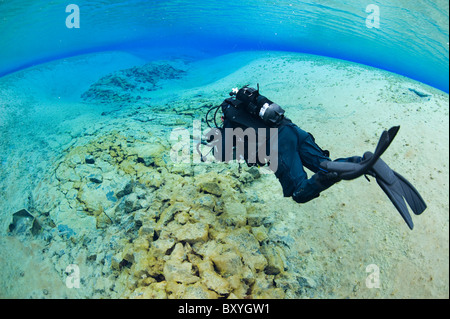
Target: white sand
<point>345,106</point>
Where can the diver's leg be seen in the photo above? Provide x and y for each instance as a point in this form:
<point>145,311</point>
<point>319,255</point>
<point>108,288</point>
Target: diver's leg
<point>312,187</point>
<point>310,153</point>
<point>290,172</point>
<point>312,156</point>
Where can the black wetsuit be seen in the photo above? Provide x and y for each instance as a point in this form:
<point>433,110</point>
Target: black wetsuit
<point>296,149</point>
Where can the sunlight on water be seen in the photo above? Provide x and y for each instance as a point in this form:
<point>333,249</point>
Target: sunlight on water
<point>412,38</point>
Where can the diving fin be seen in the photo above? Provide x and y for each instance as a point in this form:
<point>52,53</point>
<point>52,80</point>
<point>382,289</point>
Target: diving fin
<point>398,189</point>
<point>353,170</point>
<point>385,141</point>
<point>412,196</point>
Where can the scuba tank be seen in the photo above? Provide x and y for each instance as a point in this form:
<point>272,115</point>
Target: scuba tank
<point>258,105</point>
<point>246,99</point>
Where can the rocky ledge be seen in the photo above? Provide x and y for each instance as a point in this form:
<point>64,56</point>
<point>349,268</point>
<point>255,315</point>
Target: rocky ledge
<point>140,226</point>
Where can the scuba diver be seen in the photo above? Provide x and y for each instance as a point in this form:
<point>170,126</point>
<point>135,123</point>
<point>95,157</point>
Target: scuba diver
<point>253,124</point>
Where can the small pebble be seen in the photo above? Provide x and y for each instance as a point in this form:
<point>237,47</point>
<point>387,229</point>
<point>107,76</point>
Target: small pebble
<point>89,159</point>
<point>96,178</point>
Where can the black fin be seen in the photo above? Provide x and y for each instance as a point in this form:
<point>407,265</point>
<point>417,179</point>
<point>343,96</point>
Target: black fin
<point>385,141</point>
<point>397,199</point>
<point>412,196</point>
<point>350,170</point>
<point>398,189</point>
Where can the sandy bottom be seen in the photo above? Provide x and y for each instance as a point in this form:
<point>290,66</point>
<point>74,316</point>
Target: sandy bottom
<point>345,106</point>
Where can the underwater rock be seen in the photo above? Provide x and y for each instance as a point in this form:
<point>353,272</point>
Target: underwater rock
<point>129,225</point>
<point>140,268</point>
<point>178,269</point>
<point>24,222</point>
<point>116,261</point>
<point>246,178</point>
<point>211,187</point>
<point>307,282</point>
<point>182,169</point>
<point>162,230</point>
<point>147,232</point>
<point>129,204</point>
<point>65,214</point>
<point>65,173</point>
<point>191,233</point>
<point>130,85</point>
<point>207,216</point>
<point>273,255</point>
<point>89,159</point>
<point>263,288</point>
<point>227,262</point>
<point>254,172</point>
<point>153,291</point>
<point>141,244</point>
<point>182,218</point>
<point>280,233</point>
<point>103,221</point>
<point>256,217</point>
<point>45,200</point>
<point>71,195</point>
<point>128,167</point>
<point>235,214</point>
<point>162,246</point>
<point>146,217</point>
<point>123,187</point>
<point>65,231</point>
<point>151,179</point>
<point>169,213</point>
<point>85,172</point>
<point>195,291</point>
<point>74,159</point>
<point>206,201</point>
<point>248,247</point>
<point>140,192</point>
<point>96,178</point>
<point>149,154</point>
<point>260,233</point>
<point>211,279</point>
<point>239,288</point>
<point>94,197</point>
<point>105,167</point>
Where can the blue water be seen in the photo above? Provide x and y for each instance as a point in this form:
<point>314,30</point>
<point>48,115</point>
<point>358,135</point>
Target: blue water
<point>411,40</point>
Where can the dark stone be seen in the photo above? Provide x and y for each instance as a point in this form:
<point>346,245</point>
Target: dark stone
<point>126,191</point>
<point>24,222</point>
<point>96,178</point>
<point>89,159</point>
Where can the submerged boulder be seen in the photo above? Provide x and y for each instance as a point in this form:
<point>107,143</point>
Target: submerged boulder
<point>23,222</point>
